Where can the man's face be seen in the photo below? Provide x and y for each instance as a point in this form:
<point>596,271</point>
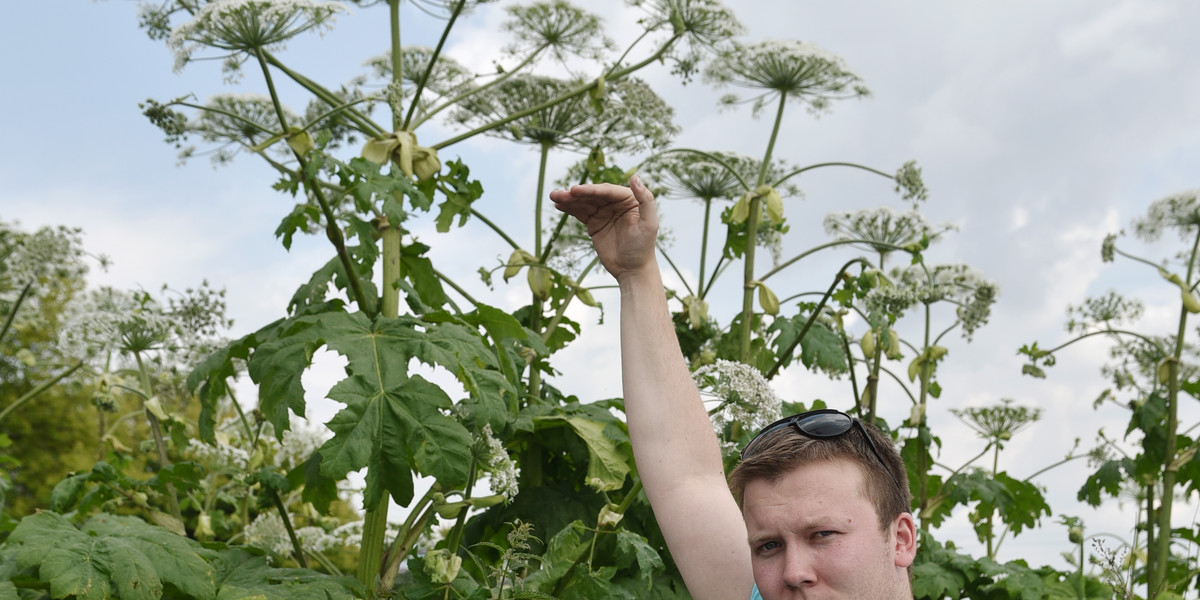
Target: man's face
<point>814,535</point>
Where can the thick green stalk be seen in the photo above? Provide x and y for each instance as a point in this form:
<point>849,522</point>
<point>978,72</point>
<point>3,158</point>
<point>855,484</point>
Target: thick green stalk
<point>534,386</point>
<point>922,400</point>
<point>752,241</point>
<point>156,431</point>
<point>704,241</point>
<point>370,554</point>
<point>1170,468</point>
<point>398,62</point>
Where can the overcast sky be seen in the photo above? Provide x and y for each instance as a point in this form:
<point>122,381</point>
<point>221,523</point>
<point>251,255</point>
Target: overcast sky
<point>1040,127</point>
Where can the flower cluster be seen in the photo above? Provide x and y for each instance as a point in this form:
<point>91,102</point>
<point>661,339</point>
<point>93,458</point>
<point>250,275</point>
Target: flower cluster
<point>701,24</point>
<point>909,184</point>
<point>958,284</point>
<point>998,423</point>
<point>177,332</point>
<point>268,532</point>
<point>504,471</point>
<point>50,261</point>
<point>711,175</point>
<point>248,26</point>
<point>559,27</point>
<point>1178,211</point>
<point>804,72</point>
<point>745,395</point>
<point>882,229</point>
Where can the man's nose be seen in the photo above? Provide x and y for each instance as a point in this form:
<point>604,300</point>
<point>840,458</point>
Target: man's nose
<point>798,567</point>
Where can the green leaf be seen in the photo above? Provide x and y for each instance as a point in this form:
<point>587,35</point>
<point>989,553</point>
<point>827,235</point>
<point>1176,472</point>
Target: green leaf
<point>632,548</point>
<point>64,495</point>
<point>110,552</point>
<point>320,490</point>
<point>75,570</point>
<point>608,464</point>
<point>241,575</point>
<point>132,571</point>
<point>931,580</point>
<point>460,192</point>
<point>418,269</point>
<point>8,591</point>
<point>1107,478</point>
<point>393,429</point>
<point>176,559</point>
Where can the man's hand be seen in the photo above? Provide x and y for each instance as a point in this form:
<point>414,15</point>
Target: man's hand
<point>622,222</point>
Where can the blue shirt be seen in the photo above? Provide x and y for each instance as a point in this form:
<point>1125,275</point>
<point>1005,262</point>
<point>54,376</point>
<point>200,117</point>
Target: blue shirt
<point>754,595</point>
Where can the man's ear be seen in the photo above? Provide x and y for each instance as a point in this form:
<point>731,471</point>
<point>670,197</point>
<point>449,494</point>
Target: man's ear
<point>905,530</point>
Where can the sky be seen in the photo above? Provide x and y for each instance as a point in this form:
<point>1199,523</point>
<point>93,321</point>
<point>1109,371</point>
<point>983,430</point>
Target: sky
<point>1040,128</point>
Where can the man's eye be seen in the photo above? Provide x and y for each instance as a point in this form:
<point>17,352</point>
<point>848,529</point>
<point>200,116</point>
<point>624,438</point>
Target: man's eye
<point>768,546</point>
<point>824,534</point>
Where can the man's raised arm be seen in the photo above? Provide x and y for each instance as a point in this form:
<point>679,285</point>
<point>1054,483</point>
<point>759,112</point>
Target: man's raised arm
<point>677,452</point>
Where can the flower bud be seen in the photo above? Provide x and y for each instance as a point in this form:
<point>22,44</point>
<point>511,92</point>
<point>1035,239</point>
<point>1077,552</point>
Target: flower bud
<point>1190,302</point>
<point>516,260</point>
<point>299,141</point>
<point>893,351</point>
<point>868,343</point>
<point>774,204</point>
<point>585,296</point>
<point>767,299</point>
<point>1075,535</point>
<point>441,566</point>
<point>154,407</point>
<point>426,163</point>
<point>540,281</point>
<point>204,528</point>
<point>609,517</point>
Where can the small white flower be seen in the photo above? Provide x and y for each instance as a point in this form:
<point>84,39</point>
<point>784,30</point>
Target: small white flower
<point>504,473</point>
<point>1178,211</point>
<point>267,532</point>
<point>244,26</point>
<point>745,395</point>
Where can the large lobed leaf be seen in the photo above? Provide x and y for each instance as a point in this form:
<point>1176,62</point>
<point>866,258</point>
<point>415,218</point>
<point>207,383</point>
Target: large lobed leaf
<point>112,557</point>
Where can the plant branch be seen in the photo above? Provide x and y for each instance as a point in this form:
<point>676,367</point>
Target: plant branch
<point>578,90</point>
<point>832,164</point>
<point>785,354</point>
<point>31,394</point>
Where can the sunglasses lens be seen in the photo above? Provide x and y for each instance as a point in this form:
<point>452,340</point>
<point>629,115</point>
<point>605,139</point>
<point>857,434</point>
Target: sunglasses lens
<point>826,425</point>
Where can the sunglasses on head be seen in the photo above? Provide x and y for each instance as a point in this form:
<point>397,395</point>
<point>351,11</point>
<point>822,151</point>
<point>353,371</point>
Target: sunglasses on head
<point>823,424</point>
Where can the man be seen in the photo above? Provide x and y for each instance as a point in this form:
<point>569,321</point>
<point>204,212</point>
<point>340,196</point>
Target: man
<point>818,493</point>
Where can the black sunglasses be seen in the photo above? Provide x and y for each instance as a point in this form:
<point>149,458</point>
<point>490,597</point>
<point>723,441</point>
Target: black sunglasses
<point>823,424</point>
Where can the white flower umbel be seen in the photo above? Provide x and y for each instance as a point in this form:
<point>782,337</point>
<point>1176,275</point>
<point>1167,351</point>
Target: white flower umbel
<point>805,72</point>
<point>958,284</point>
<point>1178,211</point>
<point>504,472</point>
<point>246,26</point>
<point>744,394</point>
<point>882,229</point>
<point>268,532</point>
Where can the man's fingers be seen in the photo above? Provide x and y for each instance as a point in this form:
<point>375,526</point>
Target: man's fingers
<point>645,199</point>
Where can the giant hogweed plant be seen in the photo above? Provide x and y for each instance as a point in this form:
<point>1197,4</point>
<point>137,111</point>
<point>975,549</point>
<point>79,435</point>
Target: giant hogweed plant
<point>381,302</point>
<point>363,180</point>
<point>1152,374</point>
